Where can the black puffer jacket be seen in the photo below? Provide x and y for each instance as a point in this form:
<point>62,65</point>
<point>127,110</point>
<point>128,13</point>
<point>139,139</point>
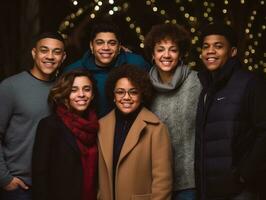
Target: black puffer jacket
<point>231,132</point>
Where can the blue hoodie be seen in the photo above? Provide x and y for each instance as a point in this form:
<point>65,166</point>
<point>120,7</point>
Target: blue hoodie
<point>101,74</point>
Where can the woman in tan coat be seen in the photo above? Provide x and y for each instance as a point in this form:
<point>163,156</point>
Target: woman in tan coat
<point>134,146</point>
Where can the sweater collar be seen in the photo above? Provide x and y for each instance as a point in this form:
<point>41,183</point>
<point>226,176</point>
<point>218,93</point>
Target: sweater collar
<point>179,76</point>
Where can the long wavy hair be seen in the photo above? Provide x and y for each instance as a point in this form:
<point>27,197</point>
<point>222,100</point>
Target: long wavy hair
<point>60,92</point>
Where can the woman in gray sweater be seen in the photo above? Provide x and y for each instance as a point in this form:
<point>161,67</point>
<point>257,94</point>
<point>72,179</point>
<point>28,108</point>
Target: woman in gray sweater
<point>178,89</point>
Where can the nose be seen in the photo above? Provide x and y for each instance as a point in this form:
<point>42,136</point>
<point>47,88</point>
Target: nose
<point>166,54</point>
<point>127,96</point>
<point>211,49</point>
<point>50,55</point>
<point>80,93</point>
<point>105,45</point>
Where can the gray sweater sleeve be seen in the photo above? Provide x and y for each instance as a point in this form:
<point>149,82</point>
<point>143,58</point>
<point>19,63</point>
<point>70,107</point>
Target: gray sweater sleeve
<point>6,107</point>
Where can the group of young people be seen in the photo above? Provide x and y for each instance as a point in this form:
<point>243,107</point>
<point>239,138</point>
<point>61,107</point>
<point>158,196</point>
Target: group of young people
<point>114,127</point>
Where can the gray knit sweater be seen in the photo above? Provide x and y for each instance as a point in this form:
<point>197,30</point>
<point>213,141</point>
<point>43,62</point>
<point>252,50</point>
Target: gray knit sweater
<point>23,104</point>
<point>176,104</point>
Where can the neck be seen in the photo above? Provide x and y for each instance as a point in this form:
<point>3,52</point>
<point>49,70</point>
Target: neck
<point>41,76</point>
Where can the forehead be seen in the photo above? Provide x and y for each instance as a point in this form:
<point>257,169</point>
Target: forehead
<point>215,39</point>
<point>81,80</point>
<point>124,83</point>
<point>50,42</point>
<point>105,36</point>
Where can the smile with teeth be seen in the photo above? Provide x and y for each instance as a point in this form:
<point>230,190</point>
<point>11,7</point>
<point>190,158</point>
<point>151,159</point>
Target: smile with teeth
<point>105,55</point>
<point>212,59</point>
<point>166,62</point>
<point>126,105</point>
<point>81,102</point>
<point>48,63</point>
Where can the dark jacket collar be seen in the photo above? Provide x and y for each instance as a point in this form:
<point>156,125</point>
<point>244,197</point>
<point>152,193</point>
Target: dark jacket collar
<point>216,80</point>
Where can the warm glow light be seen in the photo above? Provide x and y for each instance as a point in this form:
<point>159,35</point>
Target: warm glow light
<point>111,12</point>
<point>162,12</point>
<point>75,3</point>
<point>96,8</point>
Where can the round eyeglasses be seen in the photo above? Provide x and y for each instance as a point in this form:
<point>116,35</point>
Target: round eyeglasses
<point>120,92</point>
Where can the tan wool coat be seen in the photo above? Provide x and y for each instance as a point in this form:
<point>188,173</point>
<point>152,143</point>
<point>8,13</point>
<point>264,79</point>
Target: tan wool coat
<point>144,168</point>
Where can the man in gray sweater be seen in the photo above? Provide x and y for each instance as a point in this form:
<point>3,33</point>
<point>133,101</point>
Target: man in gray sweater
<point>23,103</point>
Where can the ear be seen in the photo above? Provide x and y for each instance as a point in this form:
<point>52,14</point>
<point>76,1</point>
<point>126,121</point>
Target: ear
<point>119,48</point>
<point>233,51</point>
<point>33,53</point>
<point>152,58</point>
<point>64,57</point>
<point>91,47</point>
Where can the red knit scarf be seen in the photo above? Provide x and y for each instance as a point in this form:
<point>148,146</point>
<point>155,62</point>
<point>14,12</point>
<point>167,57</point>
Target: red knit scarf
<point>85,130</point>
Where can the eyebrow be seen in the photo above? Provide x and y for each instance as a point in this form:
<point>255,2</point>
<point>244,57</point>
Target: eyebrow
<point>46,47</point>
<point>112,40</point>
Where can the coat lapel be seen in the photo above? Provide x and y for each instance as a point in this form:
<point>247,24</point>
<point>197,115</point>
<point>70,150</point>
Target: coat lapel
<point>106,139</point>
<point>135,132</point>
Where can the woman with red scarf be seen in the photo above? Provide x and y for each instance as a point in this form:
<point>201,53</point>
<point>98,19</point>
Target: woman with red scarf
<point>64,163</point>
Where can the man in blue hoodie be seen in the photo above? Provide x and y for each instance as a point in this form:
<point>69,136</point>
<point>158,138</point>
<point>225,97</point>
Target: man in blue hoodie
<point>105,53</point>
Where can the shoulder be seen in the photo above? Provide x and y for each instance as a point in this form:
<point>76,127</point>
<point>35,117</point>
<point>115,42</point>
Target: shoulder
<point>50,121</point>
<point>11,85</point>
<point>17,77</point>
<point>148,116</point>
<point>151,120</point>
<point>135,59</point>
<point>192,82</point>
<point>84,62</point>
<point>107,118</point>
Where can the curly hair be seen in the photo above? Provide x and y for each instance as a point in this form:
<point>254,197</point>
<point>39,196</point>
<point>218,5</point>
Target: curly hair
<point>60,92</point>
<point>174,32</point>
<point>138,77</point>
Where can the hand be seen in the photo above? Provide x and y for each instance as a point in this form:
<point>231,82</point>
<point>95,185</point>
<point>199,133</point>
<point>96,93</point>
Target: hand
<point>14,184</point>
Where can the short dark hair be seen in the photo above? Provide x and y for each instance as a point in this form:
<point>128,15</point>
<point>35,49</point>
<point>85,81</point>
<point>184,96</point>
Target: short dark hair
<point>138,77</point>
<point>219,29</point>
<point>177,33</point>
<point>60,92</point>
<point>53,35</point>
<point>104,26</point>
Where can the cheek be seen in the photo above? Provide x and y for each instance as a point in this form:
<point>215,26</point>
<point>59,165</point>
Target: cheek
<point>156,58</point>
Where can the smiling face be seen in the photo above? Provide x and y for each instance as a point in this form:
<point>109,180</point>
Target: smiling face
<point>127,97</point>
<point>216,50</point>
<point>48,55</point>
<point>166,56</point>
<point>81,95</point>
<point>105,48</point>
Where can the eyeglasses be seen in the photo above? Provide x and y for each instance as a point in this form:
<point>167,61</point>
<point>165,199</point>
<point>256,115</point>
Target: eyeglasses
<point>120,92</point>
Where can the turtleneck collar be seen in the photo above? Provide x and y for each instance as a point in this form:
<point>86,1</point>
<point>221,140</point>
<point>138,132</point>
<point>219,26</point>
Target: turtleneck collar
<point>179,76</point>
<point>131,116</point>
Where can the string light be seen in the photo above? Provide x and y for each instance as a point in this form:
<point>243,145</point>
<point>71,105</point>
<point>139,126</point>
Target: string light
<point>187,13</point>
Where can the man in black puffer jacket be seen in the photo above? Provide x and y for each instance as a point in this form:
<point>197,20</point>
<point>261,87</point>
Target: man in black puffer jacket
<point>231,123</point>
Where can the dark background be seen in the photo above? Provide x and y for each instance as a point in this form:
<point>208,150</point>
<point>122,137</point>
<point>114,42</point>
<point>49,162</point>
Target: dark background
<point>20,20</point>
